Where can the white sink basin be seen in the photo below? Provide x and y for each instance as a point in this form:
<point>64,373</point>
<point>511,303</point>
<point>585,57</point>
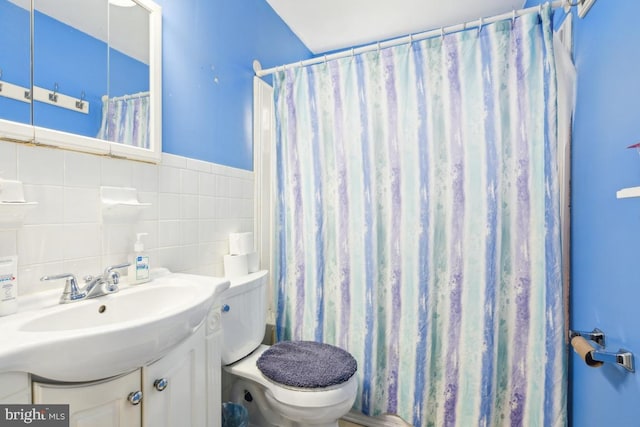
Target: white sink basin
<point>106,336</point>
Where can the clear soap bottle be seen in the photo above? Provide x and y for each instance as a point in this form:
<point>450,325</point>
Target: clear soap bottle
<point>139,268</point>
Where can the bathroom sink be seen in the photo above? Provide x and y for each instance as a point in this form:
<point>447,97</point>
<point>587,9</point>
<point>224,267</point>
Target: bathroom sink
<point>106,336</point>
<point>134,306</point>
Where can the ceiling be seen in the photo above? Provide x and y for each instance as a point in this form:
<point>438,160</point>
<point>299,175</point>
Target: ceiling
<point>127,28</point>
<point>329,25</point>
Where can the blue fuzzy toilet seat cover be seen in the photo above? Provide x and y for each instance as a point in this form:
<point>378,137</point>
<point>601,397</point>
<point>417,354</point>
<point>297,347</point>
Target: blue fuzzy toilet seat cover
<point>307,364</point>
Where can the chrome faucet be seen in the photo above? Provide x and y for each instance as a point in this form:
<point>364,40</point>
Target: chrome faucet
<point>107,283</point>
<point>71,291</point>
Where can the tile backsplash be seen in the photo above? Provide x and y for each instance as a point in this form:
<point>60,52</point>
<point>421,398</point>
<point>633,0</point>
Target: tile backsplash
<point>194,207</point>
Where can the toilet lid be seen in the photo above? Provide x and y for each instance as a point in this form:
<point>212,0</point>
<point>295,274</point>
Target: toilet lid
<point>307,364</point>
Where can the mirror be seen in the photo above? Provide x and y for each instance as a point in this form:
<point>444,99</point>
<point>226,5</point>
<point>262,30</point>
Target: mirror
<point>15,61</point>
<point>70,63</point>
<point>125,111</point>
<point>96,74</point>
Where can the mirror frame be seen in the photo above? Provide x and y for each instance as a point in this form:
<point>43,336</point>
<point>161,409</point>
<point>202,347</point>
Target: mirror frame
<point>29,133</point>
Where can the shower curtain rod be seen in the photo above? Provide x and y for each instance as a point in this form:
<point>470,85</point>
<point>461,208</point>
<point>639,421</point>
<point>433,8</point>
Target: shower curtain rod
<point>126,97</point>
<point>479,23</point>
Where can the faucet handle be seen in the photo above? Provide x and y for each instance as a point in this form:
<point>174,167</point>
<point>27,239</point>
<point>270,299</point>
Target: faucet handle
<point>114,276</point>
<point>115,267</point>
<point>71,291</point>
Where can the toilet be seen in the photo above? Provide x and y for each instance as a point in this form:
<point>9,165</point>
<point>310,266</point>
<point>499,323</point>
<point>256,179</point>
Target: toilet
<point>279,383</point>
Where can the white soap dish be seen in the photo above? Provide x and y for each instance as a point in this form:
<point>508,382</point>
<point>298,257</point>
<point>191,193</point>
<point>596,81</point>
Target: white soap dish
<point>13,206</point>
<point>120,204</point>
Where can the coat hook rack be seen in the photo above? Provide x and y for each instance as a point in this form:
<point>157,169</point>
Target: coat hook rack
<point>12,91</point>
<point>58,99</point>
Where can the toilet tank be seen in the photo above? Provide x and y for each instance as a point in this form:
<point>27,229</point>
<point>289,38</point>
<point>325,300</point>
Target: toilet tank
<point>244,315</point>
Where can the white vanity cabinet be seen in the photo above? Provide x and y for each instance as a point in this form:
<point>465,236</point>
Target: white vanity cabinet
<point>98,404</point>
<point>173,392</point>
<point>15,388</point>
<point>213,366</point>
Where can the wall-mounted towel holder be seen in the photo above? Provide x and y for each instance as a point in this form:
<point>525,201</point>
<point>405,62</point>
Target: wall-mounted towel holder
<point>595,357</point>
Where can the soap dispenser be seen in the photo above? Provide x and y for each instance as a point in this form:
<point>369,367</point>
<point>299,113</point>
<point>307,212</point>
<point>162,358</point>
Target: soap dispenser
<point>139,268</point>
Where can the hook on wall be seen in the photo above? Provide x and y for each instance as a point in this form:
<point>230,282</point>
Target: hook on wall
<point>53,96</point>
<point>80,103</point>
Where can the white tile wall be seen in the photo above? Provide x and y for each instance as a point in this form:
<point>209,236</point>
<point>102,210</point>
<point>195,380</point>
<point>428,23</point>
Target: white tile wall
<point>194,206</point>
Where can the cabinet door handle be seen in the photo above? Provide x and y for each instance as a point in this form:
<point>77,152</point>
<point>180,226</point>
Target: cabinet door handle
<point>161,383</point>
<point>135,397</point>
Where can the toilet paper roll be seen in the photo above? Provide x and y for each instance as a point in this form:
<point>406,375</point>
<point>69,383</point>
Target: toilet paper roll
<point>240,243</point>
<point>584,350</point>
<point>235,266</point>
<point>253,262</point>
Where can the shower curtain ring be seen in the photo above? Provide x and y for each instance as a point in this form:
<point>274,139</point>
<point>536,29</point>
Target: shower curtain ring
<point>513,18</point>
<point>441,33</point>
<point>481,25</point>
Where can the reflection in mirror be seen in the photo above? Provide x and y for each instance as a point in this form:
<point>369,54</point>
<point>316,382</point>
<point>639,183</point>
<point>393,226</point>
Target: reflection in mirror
<point>58,68</point>
<point>69,64</point>
<point>15,60</point>
<point>126,107</point>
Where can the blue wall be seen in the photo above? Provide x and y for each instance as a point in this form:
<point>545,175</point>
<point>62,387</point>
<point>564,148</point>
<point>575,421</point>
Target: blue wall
<point>208,50</point>
<point>606,231</point>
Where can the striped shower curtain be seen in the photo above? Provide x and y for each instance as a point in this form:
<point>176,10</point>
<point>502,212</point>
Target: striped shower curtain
<point>418,224</point>
<point>125,119</point>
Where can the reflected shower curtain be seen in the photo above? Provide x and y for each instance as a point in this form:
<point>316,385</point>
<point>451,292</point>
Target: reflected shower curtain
<point>418,224</point>
<point>125,119</point>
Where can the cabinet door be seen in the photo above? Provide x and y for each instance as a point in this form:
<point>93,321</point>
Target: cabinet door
<point>214,379</point>
<point>182,401</point>
<point>15,388</point>
<point>101,404</point>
